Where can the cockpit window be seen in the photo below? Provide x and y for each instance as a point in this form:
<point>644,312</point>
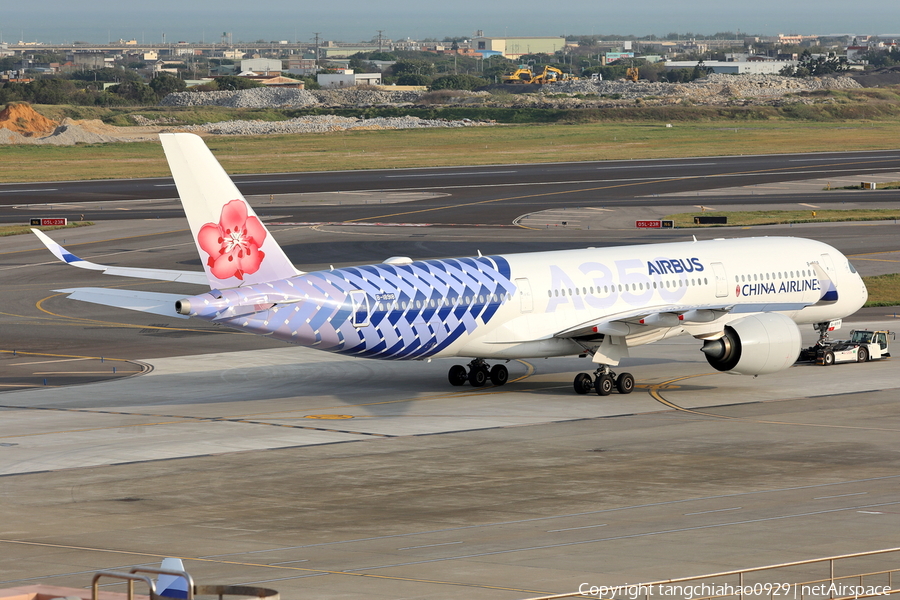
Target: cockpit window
<point>852,268</point>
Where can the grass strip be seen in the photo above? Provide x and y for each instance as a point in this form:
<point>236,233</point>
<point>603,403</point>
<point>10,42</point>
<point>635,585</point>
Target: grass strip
<point>784,217</point>
<point>7,230</point>
<point>887,185</point>
<point>884,290</point>
<point>505,144</point>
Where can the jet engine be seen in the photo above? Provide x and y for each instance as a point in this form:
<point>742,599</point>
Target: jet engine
<point>755,345</point>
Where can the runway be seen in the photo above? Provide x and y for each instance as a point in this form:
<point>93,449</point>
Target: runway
<point>490,195</point>
<point>327,477</point>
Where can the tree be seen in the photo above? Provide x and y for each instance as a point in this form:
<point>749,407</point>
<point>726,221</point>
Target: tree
<point>107,74</point>
<point>166,83</point>
<point>135,92</point>
<point>814,66</point>
<point>458,82</point>
<point>882,59</point>
<point>413,79</point>
<point>419,67</point>
<point>232,82</point>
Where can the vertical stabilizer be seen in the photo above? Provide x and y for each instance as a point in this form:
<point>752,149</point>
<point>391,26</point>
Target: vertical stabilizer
<point>235,247</point>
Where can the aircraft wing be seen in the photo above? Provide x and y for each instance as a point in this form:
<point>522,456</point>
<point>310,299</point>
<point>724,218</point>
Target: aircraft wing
<point>198,277</point>
<point>149,302</point>
<point>673,315</point>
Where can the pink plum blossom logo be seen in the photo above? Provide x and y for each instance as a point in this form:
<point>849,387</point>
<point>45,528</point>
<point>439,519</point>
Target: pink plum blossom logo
<point>233,243</point>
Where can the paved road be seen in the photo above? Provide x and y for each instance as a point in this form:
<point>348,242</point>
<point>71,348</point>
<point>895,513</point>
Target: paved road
<point>328,477</point>
<point>484,195</point>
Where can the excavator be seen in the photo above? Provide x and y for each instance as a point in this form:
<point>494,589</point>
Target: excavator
<point>521,75</point>
<point>552,75</point>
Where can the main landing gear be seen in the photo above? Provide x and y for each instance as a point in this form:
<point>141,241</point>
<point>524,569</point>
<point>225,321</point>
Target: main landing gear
<point>603,382</point>
<point>478,374</point>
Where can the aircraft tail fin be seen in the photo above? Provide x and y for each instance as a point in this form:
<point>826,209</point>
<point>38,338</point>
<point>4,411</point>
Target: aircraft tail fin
<point>235,247</point>
<point>172,586</point>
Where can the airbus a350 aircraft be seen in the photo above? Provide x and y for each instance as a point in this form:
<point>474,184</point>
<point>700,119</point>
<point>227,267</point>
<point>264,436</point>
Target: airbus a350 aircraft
<point>742,298</point>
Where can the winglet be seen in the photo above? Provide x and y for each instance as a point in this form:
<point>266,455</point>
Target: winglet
<point>67,257</point>
<point>234,246</point>
<point>64,255</point>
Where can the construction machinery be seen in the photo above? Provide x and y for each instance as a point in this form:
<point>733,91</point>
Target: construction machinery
<point>522,74</point>
<point>552,75</point>
<point>631,74</point>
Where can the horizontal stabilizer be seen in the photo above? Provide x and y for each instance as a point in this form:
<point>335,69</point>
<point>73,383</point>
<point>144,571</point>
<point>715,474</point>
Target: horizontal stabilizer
<point>148,302</point>
<point>67,257</point>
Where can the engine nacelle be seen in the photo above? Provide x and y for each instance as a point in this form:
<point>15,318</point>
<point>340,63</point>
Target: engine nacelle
<point>755,345</point>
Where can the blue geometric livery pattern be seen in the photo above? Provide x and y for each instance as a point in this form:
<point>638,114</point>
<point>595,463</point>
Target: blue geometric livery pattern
<point>377,311</point>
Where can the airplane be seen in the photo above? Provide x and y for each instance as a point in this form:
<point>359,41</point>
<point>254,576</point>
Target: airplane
<point>742,298</point>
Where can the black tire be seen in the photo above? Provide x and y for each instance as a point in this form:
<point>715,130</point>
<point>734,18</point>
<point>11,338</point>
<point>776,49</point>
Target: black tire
<point>863,354</point>
<point>457,375</point>
<point>583,383</point>
<point>625,383</point>
<point>828,359</point>
<point>603,385</point>
<point>499,375</point>
<point>478,377</point>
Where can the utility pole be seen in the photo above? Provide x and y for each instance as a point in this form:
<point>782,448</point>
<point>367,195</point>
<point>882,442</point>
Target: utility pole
<point>317,47</point>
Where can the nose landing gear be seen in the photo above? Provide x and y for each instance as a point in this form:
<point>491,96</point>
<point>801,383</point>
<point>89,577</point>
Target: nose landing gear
<point>603,382</point>
<point>478,374</point>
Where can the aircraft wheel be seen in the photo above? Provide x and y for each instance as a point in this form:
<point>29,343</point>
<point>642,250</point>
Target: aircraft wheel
<point>828,359</point>
<point>862,355</point>
<point>603,385</point>
<point>499,375</point>
<point>583,383</point>
<point>457,375</point>
<point>478,377</point>
<point>625,383</point>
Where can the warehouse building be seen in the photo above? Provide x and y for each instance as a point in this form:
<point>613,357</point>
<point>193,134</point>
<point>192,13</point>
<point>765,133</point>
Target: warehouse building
<point>515,47</point>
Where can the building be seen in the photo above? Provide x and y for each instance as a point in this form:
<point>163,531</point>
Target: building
<point>515,47</point>
<point>90,60</point>
<point>302,66</point>
<point>262,65</point>
<point>347,79</point>
<point>771,67</point>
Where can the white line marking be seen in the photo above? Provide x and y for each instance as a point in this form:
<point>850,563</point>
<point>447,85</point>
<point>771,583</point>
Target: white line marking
<point>652,166</point>
<point>288,562</point>
<point>815,159</point>
<point>703,512</point>
<point>25,191</point>
<point>450,174</point>
<point>870,512</point>
<point>563,516</point>
<point>574,528</point>
<point>840,495</point>
<point>617,537</point>
<point>429,546</point>
<point>809,205</point>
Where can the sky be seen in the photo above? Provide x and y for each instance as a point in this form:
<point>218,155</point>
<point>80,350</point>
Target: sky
<point>99,21</point>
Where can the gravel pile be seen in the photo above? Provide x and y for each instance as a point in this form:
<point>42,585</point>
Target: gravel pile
<point>714,87</point>
<point>288,98</point>
<point>322,124</point>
